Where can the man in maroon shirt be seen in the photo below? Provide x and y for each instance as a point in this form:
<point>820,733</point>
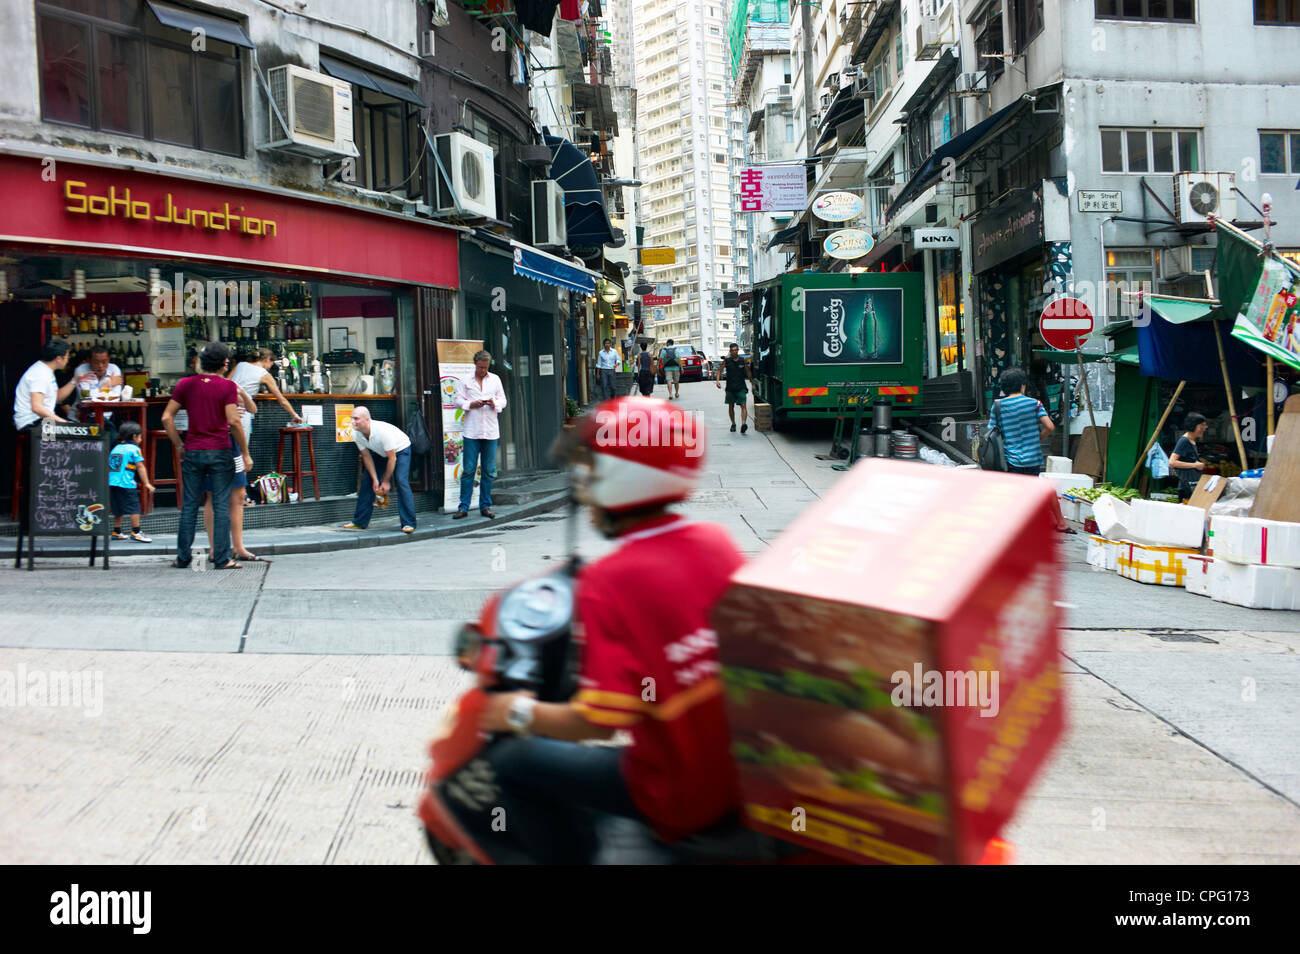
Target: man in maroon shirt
<point>212,403</point>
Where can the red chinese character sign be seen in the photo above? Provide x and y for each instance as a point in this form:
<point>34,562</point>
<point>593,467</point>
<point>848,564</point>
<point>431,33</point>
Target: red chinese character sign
<point>774,189</point>
<point>1066,323</point>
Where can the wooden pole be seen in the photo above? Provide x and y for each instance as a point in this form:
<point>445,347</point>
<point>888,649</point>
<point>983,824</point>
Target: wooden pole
<point>1087,398</point>
<point>1232,405</point>
<point>1156,433</point>
<point>1268,393</point>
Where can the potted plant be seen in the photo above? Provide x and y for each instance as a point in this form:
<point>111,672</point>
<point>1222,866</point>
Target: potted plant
<point>571,411</point>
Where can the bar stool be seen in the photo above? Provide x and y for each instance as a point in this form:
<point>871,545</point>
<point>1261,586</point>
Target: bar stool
<point>20,479</point>
<point>296,473</point>
<point>155,437</point>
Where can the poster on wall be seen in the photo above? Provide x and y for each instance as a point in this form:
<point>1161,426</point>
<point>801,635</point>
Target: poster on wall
<point>455,363</point>
<point>853,326</point>
<point>343,423</point>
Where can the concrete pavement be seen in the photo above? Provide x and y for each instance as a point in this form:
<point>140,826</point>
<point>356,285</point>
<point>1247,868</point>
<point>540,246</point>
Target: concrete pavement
<point>280,713</point>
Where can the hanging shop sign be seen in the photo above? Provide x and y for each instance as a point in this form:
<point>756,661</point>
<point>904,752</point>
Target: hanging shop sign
<point>848,244</point>
<point>837,206</point>
<point>1012,228</point>
<point>658,256</point>
<point>651,300</point>
<point>936,238</point>
<point>774,189</point>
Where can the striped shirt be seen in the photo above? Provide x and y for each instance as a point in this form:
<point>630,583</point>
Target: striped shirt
<point>1018,417</point>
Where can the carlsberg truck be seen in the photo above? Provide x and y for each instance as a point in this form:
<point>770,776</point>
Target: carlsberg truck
<point>814,335</point>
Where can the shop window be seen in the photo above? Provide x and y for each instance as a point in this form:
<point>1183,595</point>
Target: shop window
<point>1277,12</point>
<point>1128,270</point>
<point>1150,150</point>
<point>1279,152</point>
<point>111,65</point>
<point>1176,11</point>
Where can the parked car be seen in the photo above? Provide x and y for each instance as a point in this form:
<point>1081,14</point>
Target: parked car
<point>688,359</point>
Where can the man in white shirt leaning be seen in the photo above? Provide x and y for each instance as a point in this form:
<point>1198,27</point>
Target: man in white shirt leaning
<point>38,394</point>
<point>482,397</point>
<point>607,362</point>
<point>389,443</point>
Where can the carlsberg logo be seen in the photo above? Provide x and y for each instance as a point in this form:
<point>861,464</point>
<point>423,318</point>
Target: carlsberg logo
<point>836,336</point>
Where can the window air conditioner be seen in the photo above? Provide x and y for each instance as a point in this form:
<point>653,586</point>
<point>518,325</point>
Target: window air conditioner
<point>971,83</point>
<point>1197,195</point>
<point>317,109</point>
<point>832,81</point>
<point>785,91</point>
<point>824,102</point>
<point>548,214</point>
<point>473,182</point>
<point>933,33</point>
<point>1184,261</point>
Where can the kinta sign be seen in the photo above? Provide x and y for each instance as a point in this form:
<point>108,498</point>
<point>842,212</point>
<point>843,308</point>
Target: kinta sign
<point>123,205</point>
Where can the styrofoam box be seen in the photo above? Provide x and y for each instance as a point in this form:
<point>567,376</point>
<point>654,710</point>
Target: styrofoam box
<point>1111,515</point>
<point>1059,465</point>
<point>1064,482</point>
<point>1069,507</point>
<point>1162,566</point>
<point>1245,540</point>
<point>1259,587</point>
<point>1085,510</point>
<point>1165,524</point>
<point>1103,553</point>
<point>1198,573</point>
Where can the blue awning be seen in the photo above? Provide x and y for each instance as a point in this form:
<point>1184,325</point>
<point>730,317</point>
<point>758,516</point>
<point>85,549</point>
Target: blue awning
<point>585,218</point>
<point>540,267</point>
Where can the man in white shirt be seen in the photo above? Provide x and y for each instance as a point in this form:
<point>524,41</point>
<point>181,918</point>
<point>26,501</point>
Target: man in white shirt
<point>379,438</point>
<point>482,397</point>
<point>607,362</point>
<point>38,393</point>
<point>98,380</point>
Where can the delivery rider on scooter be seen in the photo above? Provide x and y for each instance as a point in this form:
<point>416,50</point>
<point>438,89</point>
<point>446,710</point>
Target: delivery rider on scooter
<point>649,660</point>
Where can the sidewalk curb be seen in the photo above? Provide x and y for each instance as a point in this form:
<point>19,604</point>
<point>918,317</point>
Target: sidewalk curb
<point>347,540</point>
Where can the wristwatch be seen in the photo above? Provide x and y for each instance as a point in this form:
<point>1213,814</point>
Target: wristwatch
<point>520,715</point>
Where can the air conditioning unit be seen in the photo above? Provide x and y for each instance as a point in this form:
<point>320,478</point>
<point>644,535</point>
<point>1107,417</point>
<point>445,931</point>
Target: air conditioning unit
<point>469,164</point>
<point>427,43</point>
<point>548,214</point>
<point>933,33</point>
<point>1197,195</point>
<point>971,84</point>
<point>832,81</point>
<point>824,102</point>
<point>317,109</point>
<point>865,87</point>
<point>1184,261</point>
<point>785,92</point>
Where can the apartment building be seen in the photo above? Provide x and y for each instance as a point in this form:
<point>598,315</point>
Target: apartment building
<point>681,73</point>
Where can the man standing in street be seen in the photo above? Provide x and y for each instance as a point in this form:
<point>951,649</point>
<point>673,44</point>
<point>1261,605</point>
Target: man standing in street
<point>38,393</point>
<point>389,442</point>
<point>606,364</point>
<point>737,373</point>
<point>672,370</point>
<point>482,397</point>
<point>211,403</point>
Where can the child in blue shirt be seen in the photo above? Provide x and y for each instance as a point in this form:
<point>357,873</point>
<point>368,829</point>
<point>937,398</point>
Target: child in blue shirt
<point>125,464</point>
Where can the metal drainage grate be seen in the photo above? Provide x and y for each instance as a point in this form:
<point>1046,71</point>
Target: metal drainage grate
<point>1179,636</point>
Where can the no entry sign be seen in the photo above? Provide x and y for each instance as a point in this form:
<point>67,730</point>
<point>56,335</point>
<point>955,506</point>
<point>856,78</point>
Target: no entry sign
<point>1065,323</point>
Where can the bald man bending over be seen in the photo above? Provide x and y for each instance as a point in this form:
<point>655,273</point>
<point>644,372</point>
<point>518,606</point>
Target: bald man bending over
<point>389,443</point>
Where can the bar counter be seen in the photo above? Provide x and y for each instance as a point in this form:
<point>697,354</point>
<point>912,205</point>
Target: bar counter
<point>336,462</point>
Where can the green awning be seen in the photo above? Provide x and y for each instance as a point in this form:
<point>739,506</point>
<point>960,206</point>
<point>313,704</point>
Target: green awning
<point>1180,311</point>
<point>1122,356</point>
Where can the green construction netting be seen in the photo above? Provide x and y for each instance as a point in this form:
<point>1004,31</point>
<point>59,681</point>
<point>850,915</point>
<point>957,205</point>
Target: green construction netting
<point>744,12</point>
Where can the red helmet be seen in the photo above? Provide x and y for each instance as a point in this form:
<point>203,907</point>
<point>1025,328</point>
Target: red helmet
<point>643,451</point>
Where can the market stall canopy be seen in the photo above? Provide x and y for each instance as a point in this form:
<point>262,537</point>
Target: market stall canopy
<point>541,267</point>
<point>1181,311</point>
<point>585,217</point>
<point>1258,292</point>
<point>190,20</point>
<point>1120,356</point>
<point>367,80</point>
<point>1186,350</point>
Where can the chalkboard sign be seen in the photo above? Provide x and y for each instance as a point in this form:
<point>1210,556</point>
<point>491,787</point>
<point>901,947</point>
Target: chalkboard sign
<point>69,482</point>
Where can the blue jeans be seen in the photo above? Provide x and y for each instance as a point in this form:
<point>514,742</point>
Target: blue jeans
<point>553,793</point>
<point>607,383</point>
<point>476,451</point>
<point>213,470</point>
<point>401,482</point>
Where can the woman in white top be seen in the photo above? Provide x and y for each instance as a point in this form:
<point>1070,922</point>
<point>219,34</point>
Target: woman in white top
<point>250,376</point>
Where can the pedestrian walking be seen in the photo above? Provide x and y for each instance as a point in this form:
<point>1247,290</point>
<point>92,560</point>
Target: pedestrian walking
<point>737,373</point>
<point>388,443</point>
<point>482,397</point>
<point>607,362</point>
<point>211,405</point>
<point>125,468</point>
<point>1024,424</point>
<point>1186,461</point>
<point>38,394</point>
<point>645,378</point>
<point>672,370</point>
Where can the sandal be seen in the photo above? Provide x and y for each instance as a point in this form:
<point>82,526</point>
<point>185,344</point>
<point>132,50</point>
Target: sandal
<point>252,558</point>
<point>1065,530</point>
<point>232,565</point>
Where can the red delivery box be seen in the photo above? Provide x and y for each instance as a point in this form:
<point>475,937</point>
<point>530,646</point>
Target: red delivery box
<point>891,663</point>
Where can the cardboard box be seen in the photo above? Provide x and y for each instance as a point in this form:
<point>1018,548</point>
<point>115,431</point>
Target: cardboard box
<point>1144,563</point>
<point>1259,587</point>
<point>1103,553</point>
<point>1064,482</point>
<point>1166,524</point>
<point>1198,573</point>
<point>855,648</point>
<point>1247,540</point>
